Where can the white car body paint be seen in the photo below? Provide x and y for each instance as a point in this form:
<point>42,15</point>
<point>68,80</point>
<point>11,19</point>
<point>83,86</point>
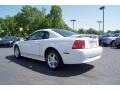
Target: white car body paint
<point>35,49</point>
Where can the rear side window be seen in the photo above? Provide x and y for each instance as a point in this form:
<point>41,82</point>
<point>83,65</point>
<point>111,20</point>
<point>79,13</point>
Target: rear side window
<point>46,35</point>
<point>43,34</point>
<point>64,33</point>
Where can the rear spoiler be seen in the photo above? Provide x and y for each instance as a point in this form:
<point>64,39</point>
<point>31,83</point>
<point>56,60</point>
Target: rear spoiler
<point>85,35</point>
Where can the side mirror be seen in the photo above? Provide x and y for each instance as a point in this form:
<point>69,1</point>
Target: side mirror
<point>26,38</point>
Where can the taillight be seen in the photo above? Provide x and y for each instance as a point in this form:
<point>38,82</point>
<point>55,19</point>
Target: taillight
<point>79,44</point>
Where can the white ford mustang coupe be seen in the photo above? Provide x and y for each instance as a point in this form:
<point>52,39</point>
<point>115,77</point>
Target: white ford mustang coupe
<point>58,47</point>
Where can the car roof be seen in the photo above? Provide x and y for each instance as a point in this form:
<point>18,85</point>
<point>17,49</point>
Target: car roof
<point>49,29</point>
<point>45,30</point>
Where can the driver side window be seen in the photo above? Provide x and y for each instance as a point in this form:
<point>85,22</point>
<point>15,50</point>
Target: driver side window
<point>34,36</point>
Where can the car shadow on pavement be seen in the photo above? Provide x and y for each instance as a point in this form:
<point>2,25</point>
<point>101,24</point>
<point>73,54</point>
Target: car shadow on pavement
<point>41,67</point>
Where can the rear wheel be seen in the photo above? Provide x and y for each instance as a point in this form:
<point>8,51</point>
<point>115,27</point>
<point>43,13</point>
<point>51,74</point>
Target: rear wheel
<point>54,60</point>
<point>118,46</point>
<point>17,52</point>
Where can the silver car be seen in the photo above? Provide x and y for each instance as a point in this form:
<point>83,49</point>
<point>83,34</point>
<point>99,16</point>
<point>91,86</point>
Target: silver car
<point>108,39</point>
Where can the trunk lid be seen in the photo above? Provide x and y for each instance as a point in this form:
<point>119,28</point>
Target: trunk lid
<point>91,41</point>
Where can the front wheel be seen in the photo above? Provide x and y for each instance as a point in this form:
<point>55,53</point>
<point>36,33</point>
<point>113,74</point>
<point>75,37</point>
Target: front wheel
<point>103,45</point>
<point>113,44</point>
<point>54,60</point>
<point>17,52</point>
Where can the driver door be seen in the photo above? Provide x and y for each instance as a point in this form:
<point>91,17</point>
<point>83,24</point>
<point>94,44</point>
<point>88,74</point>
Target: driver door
<point>30,47</point>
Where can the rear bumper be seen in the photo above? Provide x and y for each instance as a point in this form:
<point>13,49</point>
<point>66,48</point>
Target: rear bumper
<point>78,56</point>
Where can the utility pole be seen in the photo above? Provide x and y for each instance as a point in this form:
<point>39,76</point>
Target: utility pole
<point>102,8</point>
<point>73,20</point>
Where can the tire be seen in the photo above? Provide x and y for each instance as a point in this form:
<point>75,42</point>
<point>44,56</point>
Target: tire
<point>103,45</point>
<point>100,44</point>
<point>17,52</point>
<point>54,60</point>
<point>113,44</point>
<point>118,46</point>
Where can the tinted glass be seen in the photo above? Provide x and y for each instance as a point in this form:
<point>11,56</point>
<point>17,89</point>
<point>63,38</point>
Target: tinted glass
<point>34,36</point>
<point>39,35</point>
<point>64,33</point>
<point>46,35</point>
<point>116,35</point>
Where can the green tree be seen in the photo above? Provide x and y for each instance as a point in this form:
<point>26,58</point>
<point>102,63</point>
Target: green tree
<point>91,31</point>
<point>2,23</point>
<point>10,25</point>
<point>30,19</point>
<point>56,16</point>
<point>47,23</point>
<point>117,31</point>
<point>81,31</point>
<point>100,33</point>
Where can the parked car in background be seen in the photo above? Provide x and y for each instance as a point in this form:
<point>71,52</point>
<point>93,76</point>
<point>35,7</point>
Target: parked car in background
<point>0,38</point>
<point>106,40</point>
<point>58,47</point>
<point>8,40</point>
<point>117,42</point>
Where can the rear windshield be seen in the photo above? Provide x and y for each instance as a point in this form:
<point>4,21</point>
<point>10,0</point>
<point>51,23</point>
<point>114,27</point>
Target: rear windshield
<point>64,33</point>
<point>112,35</point>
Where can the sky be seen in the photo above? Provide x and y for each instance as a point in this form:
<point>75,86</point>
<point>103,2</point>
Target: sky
<point>86,16</point>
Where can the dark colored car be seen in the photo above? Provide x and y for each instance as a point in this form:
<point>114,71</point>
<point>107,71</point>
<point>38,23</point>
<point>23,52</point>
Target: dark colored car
<point>117,42</point>
<point>0,38</point>
<point>8,40</point>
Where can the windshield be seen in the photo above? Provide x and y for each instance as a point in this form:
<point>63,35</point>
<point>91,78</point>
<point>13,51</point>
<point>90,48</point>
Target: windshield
<point>64,33</point>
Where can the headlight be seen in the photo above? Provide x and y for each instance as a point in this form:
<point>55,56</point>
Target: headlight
<point>10,41</point>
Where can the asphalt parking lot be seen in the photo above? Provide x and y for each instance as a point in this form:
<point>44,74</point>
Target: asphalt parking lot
<point>105,71</point>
